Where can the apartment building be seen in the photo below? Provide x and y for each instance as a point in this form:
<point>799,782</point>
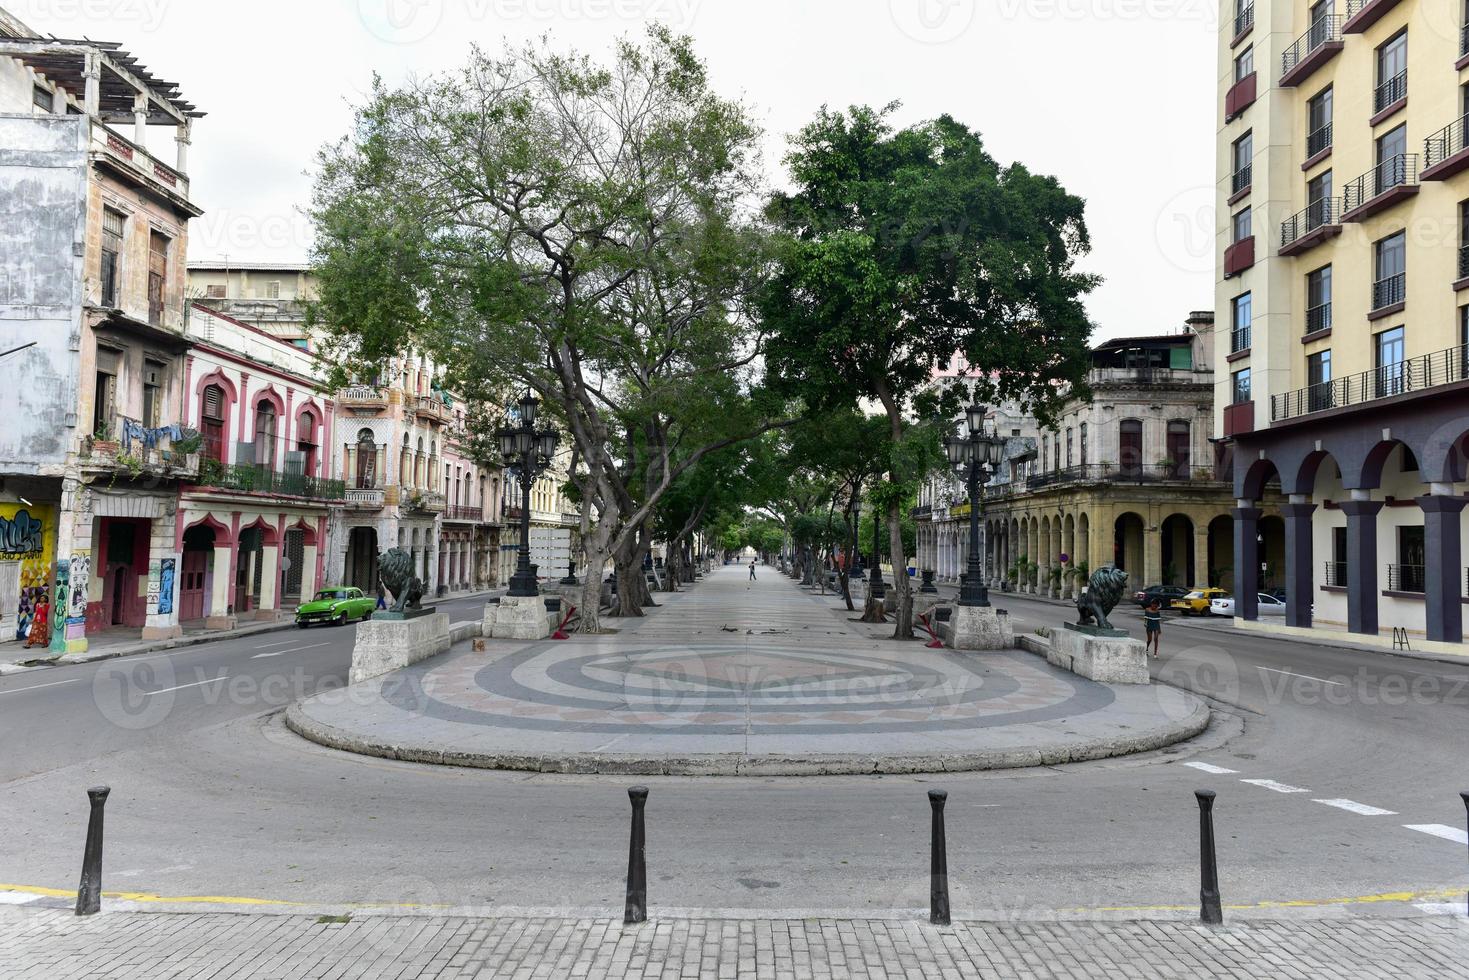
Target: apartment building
<point>92,310</point>
<point>1343,300</point>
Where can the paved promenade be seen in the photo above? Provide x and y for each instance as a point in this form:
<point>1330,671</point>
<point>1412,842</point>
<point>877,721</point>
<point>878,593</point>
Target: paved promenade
<point>54,945</point>
<point>735,677</point>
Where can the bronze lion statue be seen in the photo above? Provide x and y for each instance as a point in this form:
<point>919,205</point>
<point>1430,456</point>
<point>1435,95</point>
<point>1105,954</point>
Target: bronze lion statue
<point>1103,592</point>
<point>395,570</point>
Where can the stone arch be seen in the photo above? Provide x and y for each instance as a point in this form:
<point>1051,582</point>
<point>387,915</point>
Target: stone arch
<point>1129,530</point>
<point>1251,483</point>
<point>1177,533</point>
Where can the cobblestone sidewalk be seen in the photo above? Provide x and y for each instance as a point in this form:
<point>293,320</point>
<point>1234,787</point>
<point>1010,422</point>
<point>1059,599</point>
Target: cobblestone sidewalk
<point>48,944</point>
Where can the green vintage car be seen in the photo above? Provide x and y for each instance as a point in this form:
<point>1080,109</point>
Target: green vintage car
<point>335,605</point>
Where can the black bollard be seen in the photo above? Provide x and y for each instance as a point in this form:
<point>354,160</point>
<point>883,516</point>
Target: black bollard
<point>1210,912</point>
<point>938,873</point>
<point>89,892</point>
<point>637,868</point>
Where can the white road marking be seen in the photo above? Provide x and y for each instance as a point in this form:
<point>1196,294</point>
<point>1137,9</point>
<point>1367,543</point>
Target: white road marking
<point>282,653</point>
<point>1271,784</point>
<point>1455,834</point>
<point>1309,677</point>
<point>278,643</point>
<point>1216,770</point>
<point>1440,908</point>
<point>37,687</point>
<point>1362,808</point>
<point>213,680</point>
<point>16,898</point>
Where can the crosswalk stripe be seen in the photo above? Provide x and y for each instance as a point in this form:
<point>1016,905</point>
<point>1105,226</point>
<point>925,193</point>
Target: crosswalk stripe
<point>1362,808</point>
<point>1216,770</point>
<point>1454,834</point>
<point>1271,784</point>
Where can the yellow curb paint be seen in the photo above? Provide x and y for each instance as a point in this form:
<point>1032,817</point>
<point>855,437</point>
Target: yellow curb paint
<point>1438,895</point>
<point>208,899</point>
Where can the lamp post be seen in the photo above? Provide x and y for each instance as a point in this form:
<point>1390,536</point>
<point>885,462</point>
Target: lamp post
<point>977,453</point>
<point>875,583</point>
<point>527,454</point>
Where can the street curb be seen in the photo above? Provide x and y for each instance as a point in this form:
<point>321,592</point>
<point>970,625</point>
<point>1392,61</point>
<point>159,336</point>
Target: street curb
<point>1328,641</point>
<point>766,765</point>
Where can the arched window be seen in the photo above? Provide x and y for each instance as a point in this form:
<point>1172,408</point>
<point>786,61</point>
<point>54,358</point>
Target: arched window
<point>405,465</point>
<point>211,421</point>
<point>306,442</point>
<point>264,433</point>
<point>366,461</point>
<point>418,465</point>
<point>1178,448</point>
<point>1130,446</point>
<point>1083,444</point>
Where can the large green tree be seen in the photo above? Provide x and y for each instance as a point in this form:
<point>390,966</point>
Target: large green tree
<point>906,249</point>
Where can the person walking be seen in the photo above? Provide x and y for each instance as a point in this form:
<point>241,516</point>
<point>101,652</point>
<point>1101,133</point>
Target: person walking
<point>382,601</point>
<point>1153,624</point>
<point>752,569</point>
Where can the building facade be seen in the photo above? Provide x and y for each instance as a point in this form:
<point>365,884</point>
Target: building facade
<point>1343,298</point>
<point>1128,478</point>
<point>92,313</point>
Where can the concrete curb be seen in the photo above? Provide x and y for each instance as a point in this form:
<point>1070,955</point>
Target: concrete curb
<point>1021,757</point>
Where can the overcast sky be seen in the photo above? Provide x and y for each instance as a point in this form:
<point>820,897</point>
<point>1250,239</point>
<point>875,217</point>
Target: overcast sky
<point>1114,97</point>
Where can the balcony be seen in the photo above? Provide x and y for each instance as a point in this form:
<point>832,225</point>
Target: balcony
<point>364,498</point>
<point>1318,146</point>
<point>1446,152</point>
<point>1239,257</point>
<point>1462,282</point>
<point>1316,47</point>
<point>1362,14</point>
<point>255,478</point>
<point>1239,182</point>
<point>168,451</point>
<point>1318,318</point>
<point>1168,472</point>
<point>432,408</point>
<point>1405,377</point>
<point>1389,295</point>
<point>1380,188</point>
<point>425,501</point>
<point>1239,340</point>
<point>1335,576</point>
<point>1405,578</point>
<point>1241,96</point>
<point>1389,97</point>
<point>1310,227</point>
<point>1244,22</point>
<point>363,398</point>
<point>459,512</point>
<point>131,161</point>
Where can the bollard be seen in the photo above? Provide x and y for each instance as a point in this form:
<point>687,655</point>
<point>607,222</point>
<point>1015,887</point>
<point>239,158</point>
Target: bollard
<point>938,873</point>
<point>1465,797</point>
<point>1210,912</point>
<point>89,892</point>
<point>637,869</point>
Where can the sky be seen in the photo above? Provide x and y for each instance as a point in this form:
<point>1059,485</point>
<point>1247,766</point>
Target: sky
<point>1113,97</point>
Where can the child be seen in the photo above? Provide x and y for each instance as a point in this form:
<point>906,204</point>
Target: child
<point>1153,623</point>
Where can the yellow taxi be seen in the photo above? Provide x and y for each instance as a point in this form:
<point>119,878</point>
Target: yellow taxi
<point>1197,601</point>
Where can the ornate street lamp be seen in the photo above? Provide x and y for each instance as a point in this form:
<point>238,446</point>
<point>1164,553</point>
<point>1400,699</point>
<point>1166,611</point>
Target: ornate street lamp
<point>979,453</point>
<point>527,454</point>
<point>875,584</point>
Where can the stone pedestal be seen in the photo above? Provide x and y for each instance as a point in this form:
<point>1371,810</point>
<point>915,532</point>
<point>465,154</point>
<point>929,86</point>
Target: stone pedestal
<point>518,617</point>
<point>386,644</point>
<point>979,628</point>
<point>1110,659</point>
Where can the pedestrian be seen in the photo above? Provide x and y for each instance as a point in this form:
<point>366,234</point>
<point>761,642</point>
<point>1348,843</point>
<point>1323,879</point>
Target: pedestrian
<point>40,634</point>
<point>752,569</point>
<point>382,602</point>
<point>1153,624</point>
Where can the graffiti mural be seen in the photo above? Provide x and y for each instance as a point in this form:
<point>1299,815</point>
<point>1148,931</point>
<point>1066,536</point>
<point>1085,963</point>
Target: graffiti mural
<point>61,605</point>
<point>153,574</point>
<point>165,586</point>
<point>81,574</point>
<point>28,535</point>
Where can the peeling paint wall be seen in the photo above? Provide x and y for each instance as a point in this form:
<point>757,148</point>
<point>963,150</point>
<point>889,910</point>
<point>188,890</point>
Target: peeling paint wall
<point>43,193</point>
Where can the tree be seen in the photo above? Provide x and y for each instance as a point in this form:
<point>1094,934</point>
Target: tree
<point>902,250</point>
<point>537,220</point>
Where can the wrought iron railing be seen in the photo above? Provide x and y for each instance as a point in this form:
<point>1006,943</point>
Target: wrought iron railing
<point>1317,214</point>
<point>1244,18</point>
<point>1123,473</point>
<point>1394,172</point>
<point>1390,291</point>
<point>1405,578</point>
<point>1452,139</point>
<point>1318,317</point>
<point>1464,261</point>
<point>1318,141</point>
<point>1323,31</point>
<point>459,512</point>
<point>1239,340</point>
<point>1464,40</point>
<point>1392,90</point>
<point>1240,179</point>
<point>1336,574</point>
<point>252,478</point>
<point>1415,374</point>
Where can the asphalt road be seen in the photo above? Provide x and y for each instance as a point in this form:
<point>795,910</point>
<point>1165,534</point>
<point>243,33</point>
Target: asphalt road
<point>212,797</point>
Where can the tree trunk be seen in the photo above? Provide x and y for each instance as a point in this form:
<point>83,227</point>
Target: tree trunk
<point>903,608</point>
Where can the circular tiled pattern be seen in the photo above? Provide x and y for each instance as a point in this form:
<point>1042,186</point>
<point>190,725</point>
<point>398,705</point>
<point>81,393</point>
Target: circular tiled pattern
<point>733,690</point>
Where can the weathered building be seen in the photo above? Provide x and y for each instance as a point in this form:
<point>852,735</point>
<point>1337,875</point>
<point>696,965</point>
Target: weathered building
<point>92,294</point>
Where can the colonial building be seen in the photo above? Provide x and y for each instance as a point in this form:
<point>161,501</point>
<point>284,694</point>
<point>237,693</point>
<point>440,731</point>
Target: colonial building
<point>92,294</point>
<point>252,529</point>
<point>1128,478</point>
<point>1343,290</point>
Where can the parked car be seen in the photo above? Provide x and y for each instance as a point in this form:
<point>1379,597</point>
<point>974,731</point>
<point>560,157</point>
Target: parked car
<point>1269,605</point>
<point>1197,602</point>
<point>1165,594</point>
<point>338,604</point>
